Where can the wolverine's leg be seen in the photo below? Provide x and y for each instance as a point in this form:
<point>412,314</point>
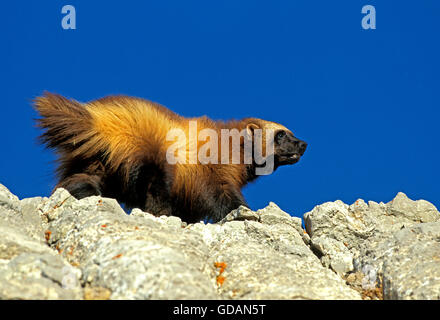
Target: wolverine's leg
<point>215,203</point>
<point>81,185</point>
<point>224,203</point>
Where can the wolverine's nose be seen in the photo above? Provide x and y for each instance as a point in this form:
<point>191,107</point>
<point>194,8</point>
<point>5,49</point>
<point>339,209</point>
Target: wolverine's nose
<point>302,145</point>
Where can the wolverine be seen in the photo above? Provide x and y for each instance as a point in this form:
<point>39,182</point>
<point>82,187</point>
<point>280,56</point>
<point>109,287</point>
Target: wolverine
<point>120,147</point>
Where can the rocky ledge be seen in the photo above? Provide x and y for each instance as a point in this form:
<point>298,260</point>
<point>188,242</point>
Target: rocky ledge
<point>62,248</point>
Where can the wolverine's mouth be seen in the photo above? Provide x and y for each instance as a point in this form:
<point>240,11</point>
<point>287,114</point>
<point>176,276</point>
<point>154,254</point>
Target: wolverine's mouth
<point>294,158</point>
<point>289,158</point>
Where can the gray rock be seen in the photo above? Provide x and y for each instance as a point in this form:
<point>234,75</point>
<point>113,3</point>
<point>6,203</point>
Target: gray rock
<point>375,239</point>
<point>10,207</point>
<point>136,256</point>
<point>417,211</point>
<point>335,254</point>
<point>39,276</point>
<point>33,225</point>
<point>21,214</point>
<point>29,269</point>
<point>8,201</point>
<point>272,214</point>
<point>268,262</point>
<point>64,248</point>
<point>408,262</point>
<point>13,241</point>
<point>140,256</point>
<point>21,231</point>
<point>241,213</point>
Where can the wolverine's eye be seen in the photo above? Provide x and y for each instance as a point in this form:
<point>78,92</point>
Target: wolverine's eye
<point>280,134</point>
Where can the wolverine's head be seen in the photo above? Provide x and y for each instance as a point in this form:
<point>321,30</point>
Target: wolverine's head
<point>287,149</point>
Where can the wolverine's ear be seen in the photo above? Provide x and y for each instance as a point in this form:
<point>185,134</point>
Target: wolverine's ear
<point>250,128</point>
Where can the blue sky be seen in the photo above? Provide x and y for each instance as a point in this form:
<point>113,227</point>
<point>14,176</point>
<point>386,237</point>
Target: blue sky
<point>366,101</point>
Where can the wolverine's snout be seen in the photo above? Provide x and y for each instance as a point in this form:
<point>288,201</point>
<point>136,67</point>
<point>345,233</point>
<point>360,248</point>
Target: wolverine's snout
<point>301,146</point>
<point>289,149</point>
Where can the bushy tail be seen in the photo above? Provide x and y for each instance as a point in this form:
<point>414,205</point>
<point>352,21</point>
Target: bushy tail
<point>66,123</point>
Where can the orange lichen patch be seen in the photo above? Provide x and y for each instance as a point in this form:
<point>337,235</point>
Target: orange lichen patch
<point>220,280</point>
<point>47,234</point>
<point>372,294</point>
<point>99,202</point>
<point>104,226</point>
<point>136,228</point>
<point>346,244</point>
<point>221,265</point>
<point>117,256</point>
<point>71,250</point>
<point>57,247</point>
<point>74,264</point>
<point>354,280</point>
